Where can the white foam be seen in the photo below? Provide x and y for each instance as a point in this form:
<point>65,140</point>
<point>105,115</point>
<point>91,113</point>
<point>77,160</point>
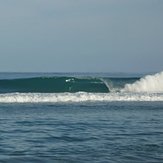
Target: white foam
<point>76,97</point>
<point>149,83</point>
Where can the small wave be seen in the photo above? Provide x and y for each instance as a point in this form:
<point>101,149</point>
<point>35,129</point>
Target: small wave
<point>149,83</point>
<point>76,97</point>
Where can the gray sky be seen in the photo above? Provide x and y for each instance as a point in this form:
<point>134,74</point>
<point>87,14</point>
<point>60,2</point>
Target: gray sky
<point>81,35</point>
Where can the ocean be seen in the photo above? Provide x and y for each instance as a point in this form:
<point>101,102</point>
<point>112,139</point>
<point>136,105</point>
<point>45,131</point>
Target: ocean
<point>81,117</point>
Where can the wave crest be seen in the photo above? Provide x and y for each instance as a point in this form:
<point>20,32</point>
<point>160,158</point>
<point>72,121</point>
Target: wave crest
<point>149,83</point>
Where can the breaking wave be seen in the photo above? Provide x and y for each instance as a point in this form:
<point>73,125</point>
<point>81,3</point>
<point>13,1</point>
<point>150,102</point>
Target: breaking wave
<point>84,89</point>
<point>149,83</point>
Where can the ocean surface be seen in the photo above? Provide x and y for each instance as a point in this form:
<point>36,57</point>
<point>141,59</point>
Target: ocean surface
<point>81,117</point>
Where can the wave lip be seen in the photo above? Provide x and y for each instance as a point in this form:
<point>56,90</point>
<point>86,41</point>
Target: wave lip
<point>77,97</point>
<point>149,83</point>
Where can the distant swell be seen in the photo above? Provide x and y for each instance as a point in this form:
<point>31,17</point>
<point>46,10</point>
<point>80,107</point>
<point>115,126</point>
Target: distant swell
<point>149,83</point>
<point>53,85</point>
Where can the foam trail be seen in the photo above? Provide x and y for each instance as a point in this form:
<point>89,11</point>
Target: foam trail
<point>149,83</point>
<point>76,97</point>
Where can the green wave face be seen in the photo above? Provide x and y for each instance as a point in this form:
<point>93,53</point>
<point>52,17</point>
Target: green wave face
<point>53,84</point>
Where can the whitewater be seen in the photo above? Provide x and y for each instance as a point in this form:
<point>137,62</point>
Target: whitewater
<point>149,83</point>
<point>148,88</point>
<point>76,97</point>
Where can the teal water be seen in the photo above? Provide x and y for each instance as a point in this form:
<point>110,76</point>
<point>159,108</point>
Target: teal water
<point>53,85</point>
<point>63,82</point>
<point>112,127</point>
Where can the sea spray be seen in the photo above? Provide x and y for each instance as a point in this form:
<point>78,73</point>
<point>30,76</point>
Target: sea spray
<point>149,84</point>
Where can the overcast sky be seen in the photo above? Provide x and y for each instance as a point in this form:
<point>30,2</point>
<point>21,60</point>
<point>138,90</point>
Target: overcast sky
<point>81,35</point>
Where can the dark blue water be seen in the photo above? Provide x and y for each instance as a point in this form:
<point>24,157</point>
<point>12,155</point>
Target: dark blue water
<point>114,132</point>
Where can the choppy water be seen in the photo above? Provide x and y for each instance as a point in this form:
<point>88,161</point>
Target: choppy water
<point>115,127</point>
<point>83,132</point>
